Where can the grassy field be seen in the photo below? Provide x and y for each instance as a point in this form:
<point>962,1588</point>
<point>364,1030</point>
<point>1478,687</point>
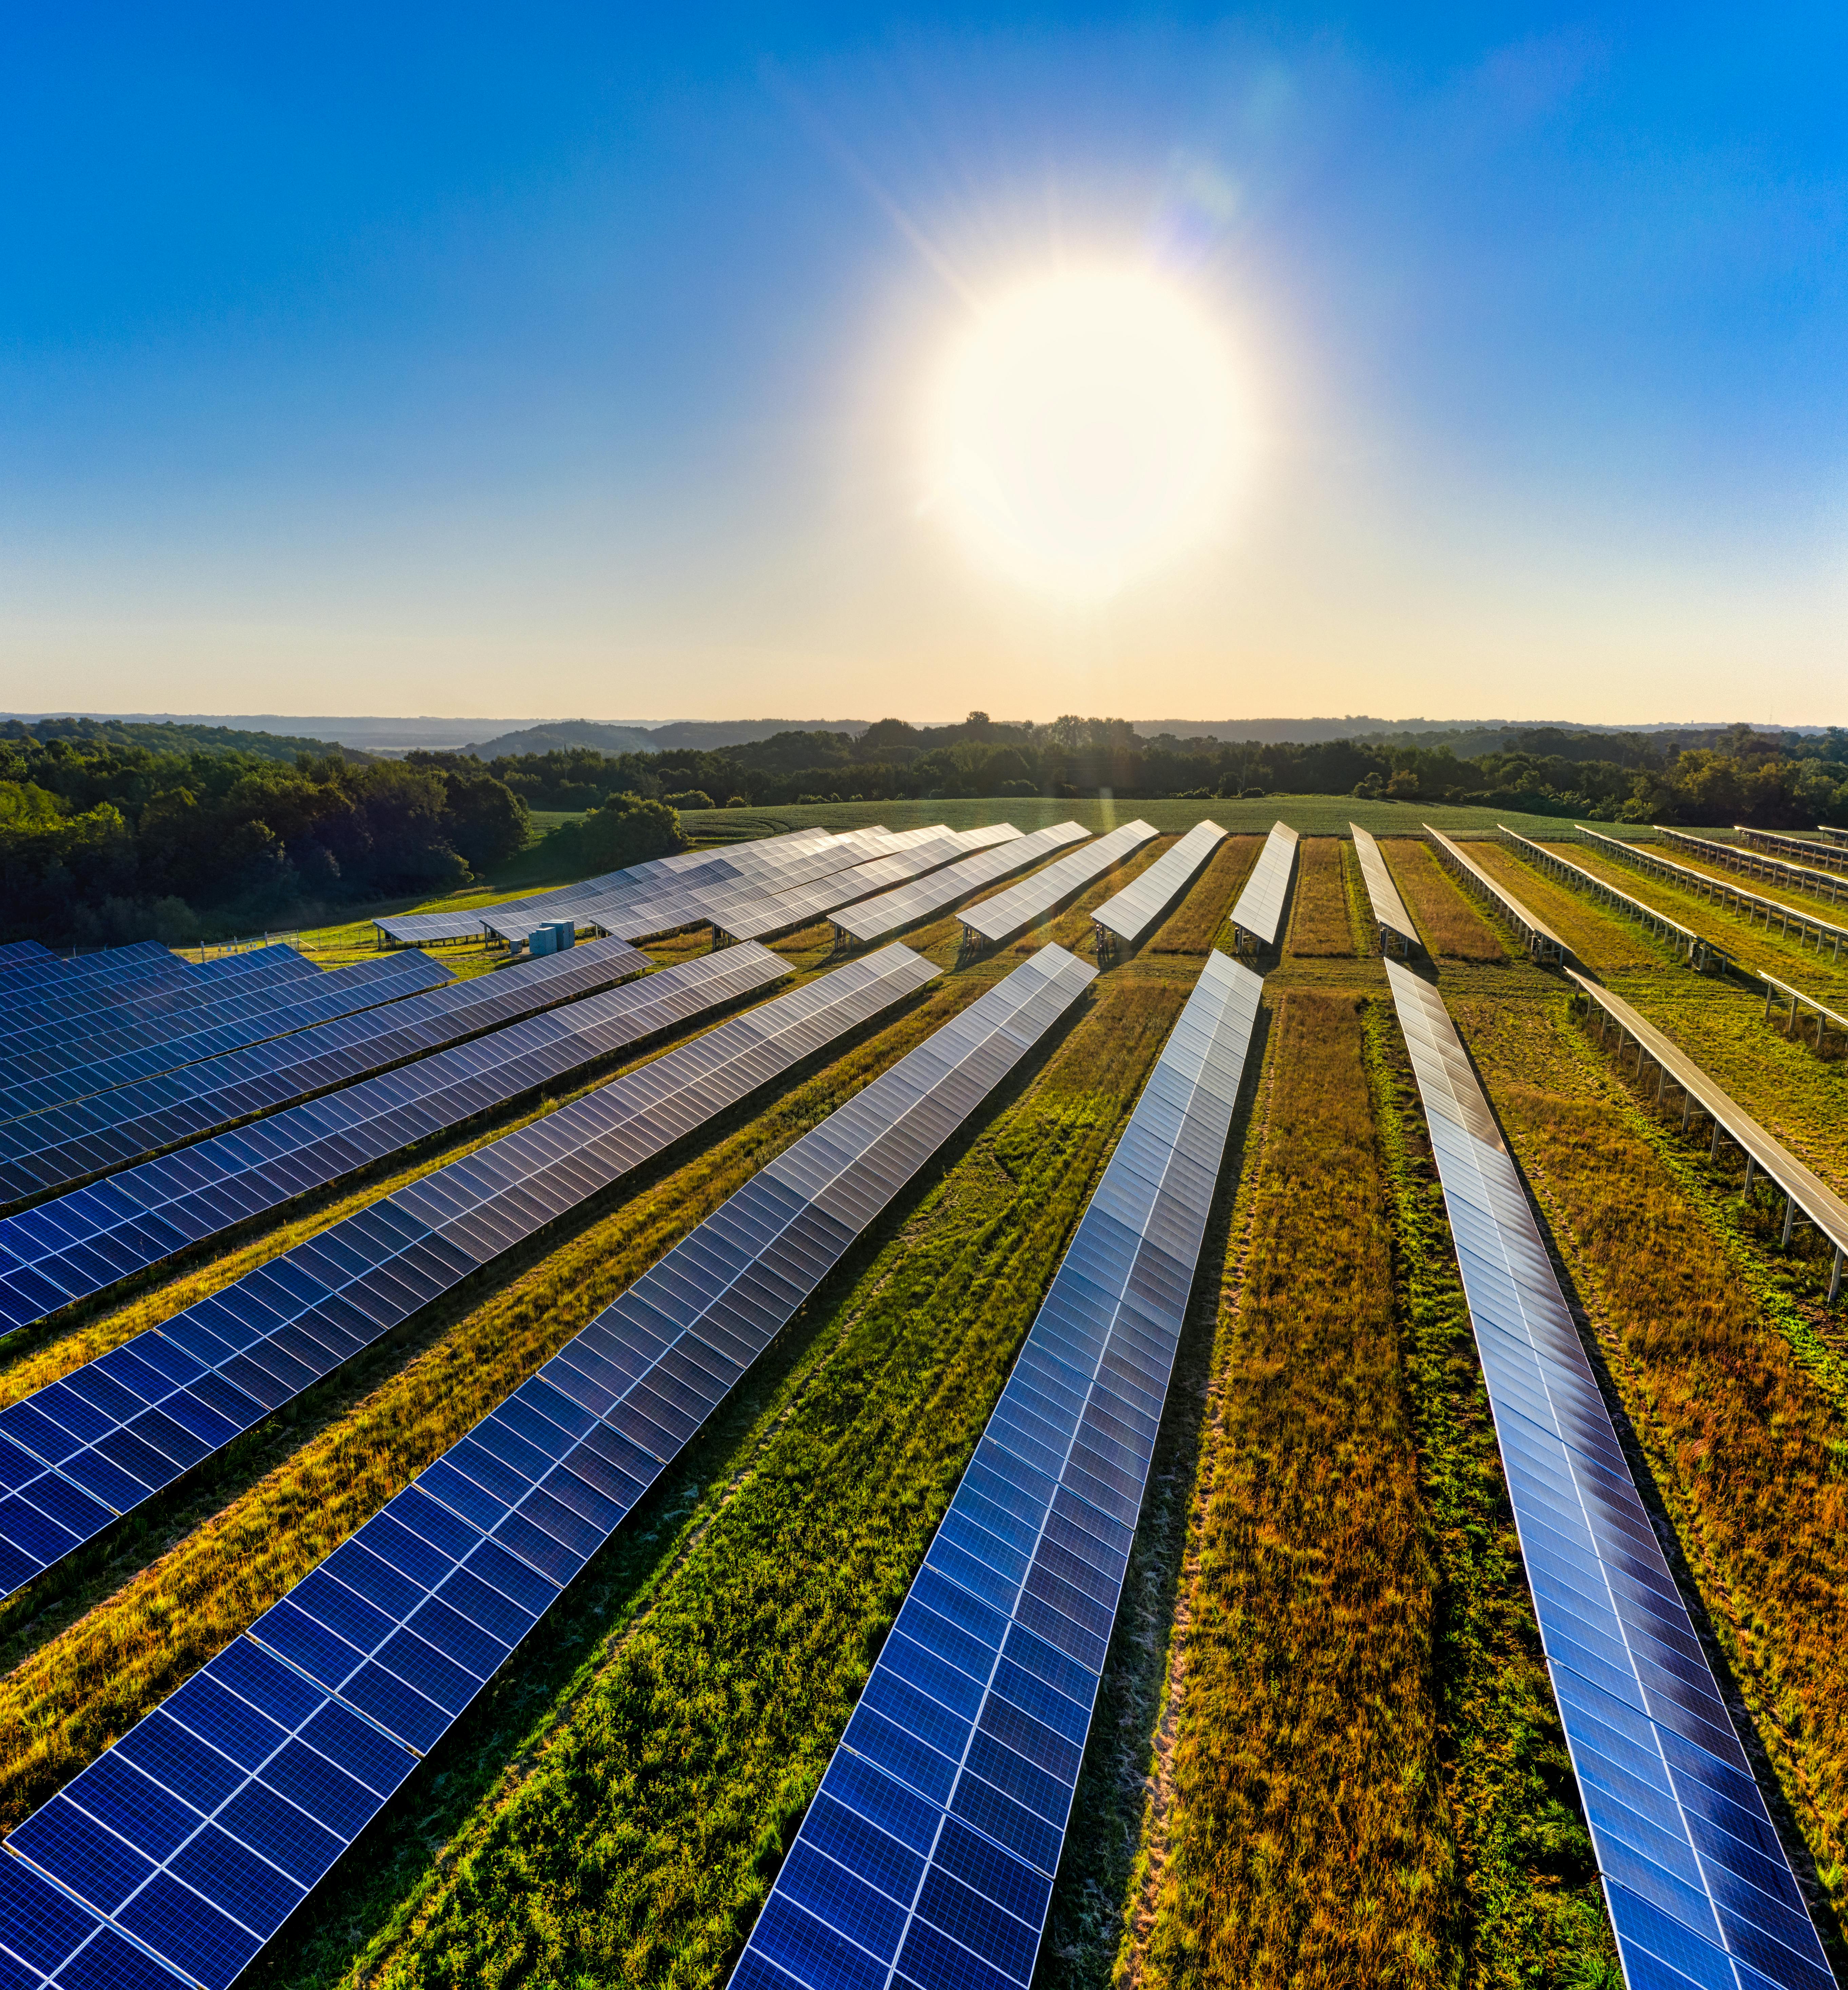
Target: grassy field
<point>1298,1829</point>
<point>1325,1750</point>
<point>1449,921</point>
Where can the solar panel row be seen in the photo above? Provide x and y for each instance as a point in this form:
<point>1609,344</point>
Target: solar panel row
<point>1013,911</point>
<point>16,953</point>
<point>928,1855</point>
<point>75,1455</point>
<point>412,928</point>
<point>1699,952</point>
<point>724,882</point>
<point>1398,936</point>
<point>181,1017</point>
<point>60,1016</point>
<point>1124,920</point>
<point>1698,1886</point>
<point>1756,863</point>
<point>1258,918</point>
<point>344,992</point>
<point>1808,925</point>
<point>1806,849</point>
<point>39,970</point>
<point>89,1136</point>
<point>1542,942</point>
<point>892,911</point>
<point>201,1831</point>
<point>78,1244</point>
<point>785,910</point>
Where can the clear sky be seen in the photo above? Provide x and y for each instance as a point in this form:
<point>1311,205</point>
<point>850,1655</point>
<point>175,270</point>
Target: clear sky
<point>536,361</point>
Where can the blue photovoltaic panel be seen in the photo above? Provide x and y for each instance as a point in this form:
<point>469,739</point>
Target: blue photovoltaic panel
<point>1134,909</point>
<point>199,1832</point>
<point>95,980</point>
<point>1397,935</point>
<point>344,992</point>
<point>927,1857</point>
<point>18,952</point>
<point>182,1017</point>
<point>78,1244</point>
<point>1259,911</point>
<point>83,1450</point>
<point>892,911</point>
<point>1009,912</point>
<point>785,910</point>
<point>1698,1886</point>
<point>91,1136</point>
<point>50,1018</point>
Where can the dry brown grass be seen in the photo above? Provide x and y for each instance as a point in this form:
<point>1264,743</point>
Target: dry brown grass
<point>1450,926</point>
<point>1200,918</point>
<point>1318,924</point>
<point>1308,1839</point>
<point>1605,944</point>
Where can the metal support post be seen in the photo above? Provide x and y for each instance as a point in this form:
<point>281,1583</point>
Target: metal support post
<point>1835,1277</point>
<point>1751,1169</point>
<point>1661,1084</point>
<point>1790,1216</point>
<point>1687,1109</point>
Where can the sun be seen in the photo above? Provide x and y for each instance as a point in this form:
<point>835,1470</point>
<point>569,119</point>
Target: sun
<point>1086,429</point>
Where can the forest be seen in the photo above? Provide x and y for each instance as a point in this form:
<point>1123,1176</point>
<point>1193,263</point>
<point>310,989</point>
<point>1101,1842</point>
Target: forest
<point>1737,775</point>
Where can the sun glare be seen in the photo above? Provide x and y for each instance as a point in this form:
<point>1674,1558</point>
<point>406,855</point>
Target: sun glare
<point>1086,429</point>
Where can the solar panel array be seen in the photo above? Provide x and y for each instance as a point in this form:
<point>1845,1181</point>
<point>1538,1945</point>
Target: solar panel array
<point>1543,943</point>
<point>88,1136</point>
<point>1831,855</point>
<point>892,911</point>
<point>79,1453</point>
<point>1699,952</point>
<point>198,1834</point>
<point>80,1244</point>
<point>1020,905</point>
<point>1697,1884</point>
<point>785,910</point>
<point>345,991</point>
<point>414,928</point>
<point>928,1855</point>
<point>1806,1190</point>
<point>59,1060</point>
<point>1808,924</point>
<point>1826,1018</point>
<point>44,969</point>
<point>1258,917</point>
<point>16,953</point>
<point>1125,918</point>
<point>1755,863</point>
<point>47,1018</point>
<point>722,883</point>
<point>1397,935</point>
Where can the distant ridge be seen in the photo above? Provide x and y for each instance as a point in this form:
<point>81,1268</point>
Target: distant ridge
<point>705,735</point>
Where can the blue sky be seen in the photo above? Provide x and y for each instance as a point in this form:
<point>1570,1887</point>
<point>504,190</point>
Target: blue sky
<point>523,361</point>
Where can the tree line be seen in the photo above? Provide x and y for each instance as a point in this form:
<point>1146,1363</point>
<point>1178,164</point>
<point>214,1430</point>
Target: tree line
<point>1730,774</point>
<point>102,842</point>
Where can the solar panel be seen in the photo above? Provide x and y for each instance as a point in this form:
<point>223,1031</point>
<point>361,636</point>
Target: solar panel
<point>1701,951</point>
<point>1542,942</point>
<point>1012,911</point>
<point>928,1855</point>
<point>1755,864</point>
<point>1753,905</point>
<point>1781,845</point>
<point>93,1445</point>
<point>17,953</point>
<point>1258,918</point>
<point>71,1142</point>
<point>83,984</point>
<point>65,971</point>
<point>892,911</point>
<point>424,928</point>
<point>345,991</point>
<point>202,1828</point>
<point>1697,1884</point>
<point>1124,920</point>
<point>797,907</point>
<point>50,1017</point>
<point>80,1244</point>
<point>1397,935</point>
<point>173,1017</point>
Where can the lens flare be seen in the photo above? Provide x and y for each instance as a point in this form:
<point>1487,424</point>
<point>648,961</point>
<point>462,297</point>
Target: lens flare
<point>1086,429</point>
